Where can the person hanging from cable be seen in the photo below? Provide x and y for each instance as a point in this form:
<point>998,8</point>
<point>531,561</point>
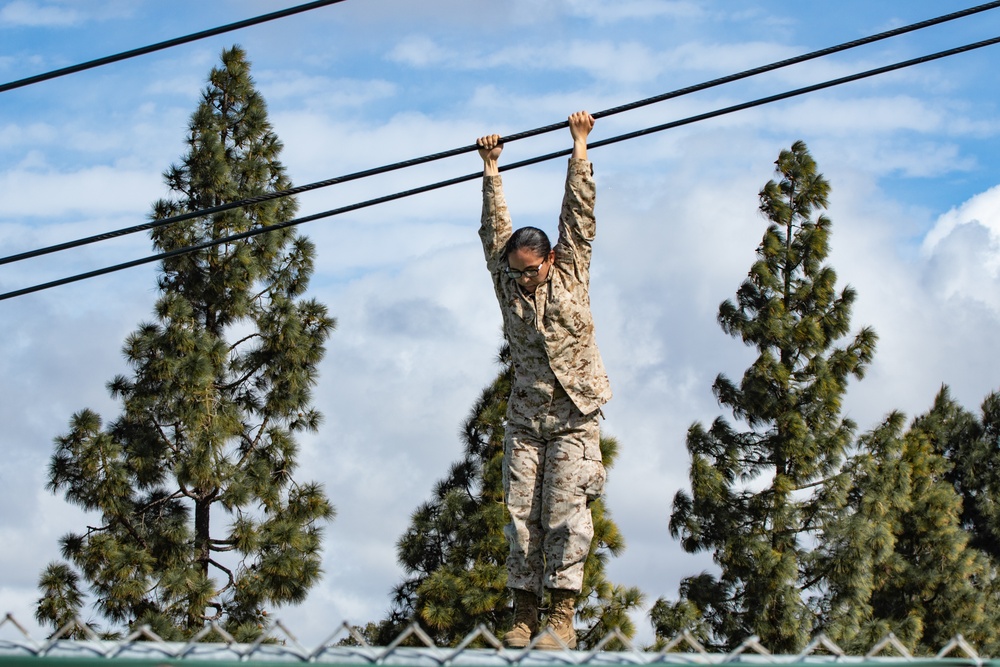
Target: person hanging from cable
<point>552,467</point>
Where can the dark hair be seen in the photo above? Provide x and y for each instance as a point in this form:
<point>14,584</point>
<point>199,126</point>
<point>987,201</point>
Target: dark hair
<point>529,238</point>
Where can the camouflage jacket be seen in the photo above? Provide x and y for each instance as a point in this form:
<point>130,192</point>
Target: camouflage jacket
<point>551,332</point>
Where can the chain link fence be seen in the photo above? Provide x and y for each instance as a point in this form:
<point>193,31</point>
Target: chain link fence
<point>214,647</point>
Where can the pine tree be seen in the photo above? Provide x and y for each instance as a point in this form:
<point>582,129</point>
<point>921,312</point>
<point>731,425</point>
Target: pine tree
<point>942,588</point>
<point>199,516</point>
<point>903,562</point>
<point>970,443</point>
<point>454,551</point>
<point>948,586</point>
<point>758,495</point>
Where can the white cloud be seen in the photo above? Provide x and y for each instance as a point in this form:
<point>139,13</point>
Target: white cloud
<point>965,264</point>
<point>12,135</point>
<point>872,114</point>
<point>613,12</point>
<point>982,209</point>
<point>322,92</point>
<point>623,62</point>
<point>422,51</point>
<point>36,14</point>
<point>30,193</point>
<point>62,13</point>
<point>962,253</point>
<point>726,57</point>
<point>319,146</point>
<point>620,61</point>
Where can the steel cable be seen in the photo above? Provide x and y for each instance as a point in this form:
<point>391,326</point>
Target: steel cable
<point>154,224</point>
<point>177,41</point>
<point>515,165</point>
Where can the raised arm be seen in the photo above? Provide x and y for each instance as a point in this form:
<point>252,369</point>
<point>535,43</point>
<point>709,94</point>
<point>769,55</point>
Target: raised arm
<point>495,226</point>
<point>577,224</point>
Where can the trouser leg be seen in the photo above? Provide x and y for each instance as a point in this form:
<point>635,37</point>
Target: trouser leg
<point>573,476</point>
<point>522,477</point>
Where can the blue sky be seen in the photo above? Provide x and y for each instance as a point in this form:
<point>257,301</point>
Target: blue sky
<point>912,158</point>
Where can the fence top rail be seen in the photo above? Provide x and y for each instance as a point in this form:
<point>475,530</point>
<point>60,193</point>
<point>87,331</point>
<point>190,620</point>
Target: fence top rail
<point>345,647</point>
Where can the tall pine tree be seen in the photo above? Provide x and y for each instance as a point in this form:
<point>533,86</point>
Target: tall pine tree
<point>200,517</point>
<point>758,494</point>
<point>454,551</point>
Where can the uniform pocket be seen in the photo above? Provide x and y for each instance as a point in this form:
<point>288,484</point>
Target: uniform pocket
<point>592,450</point>
<point>593,476</point>
<point>516,308</point>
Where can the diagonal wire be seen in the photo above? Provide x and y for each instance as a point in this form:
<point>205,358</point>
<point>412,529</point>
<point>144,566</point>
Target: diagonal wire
<point>104,236</point>
<point>125,55</point>
<point>515,165</point>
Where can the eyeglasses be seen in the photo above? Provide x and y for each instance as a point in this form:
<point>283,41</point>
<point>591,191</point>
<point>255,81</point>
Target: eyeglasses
<point>530,273</point>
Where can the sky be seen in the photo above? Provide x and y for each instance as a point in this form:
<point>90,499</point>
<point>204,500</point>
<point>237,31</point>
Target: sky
<point>911,156</point>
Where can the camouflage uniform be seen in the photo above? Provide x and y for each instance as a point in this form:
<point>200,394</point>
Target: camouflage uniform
<point>552,457</point>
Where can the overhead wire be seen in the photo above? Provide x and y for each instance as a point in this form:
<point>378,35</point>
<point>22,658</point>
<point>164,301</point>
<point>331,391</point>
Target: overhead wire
<point>155,224</point>
<point>159,46</point>
<point>515,165</point>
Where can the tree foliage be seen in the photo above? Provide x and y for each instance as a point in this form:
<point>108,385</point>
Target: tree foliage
<point>972,444</point>
<point>759,495</point>
<point>454,552</point>
<point>899,558</point>
<point>199,515</point>
<point>813,530</point>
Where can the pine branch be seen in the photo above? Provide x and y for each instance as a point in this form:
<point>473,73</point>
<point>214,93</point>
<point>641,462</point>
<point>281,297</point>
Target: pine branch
<point>171,445</point>
<point>229,574</point>
<point>222,546</point>
<point>255,334</point>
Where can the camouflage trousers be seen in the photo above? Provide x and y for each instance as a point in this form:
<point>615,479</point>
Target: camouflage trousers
<point>552,471</point>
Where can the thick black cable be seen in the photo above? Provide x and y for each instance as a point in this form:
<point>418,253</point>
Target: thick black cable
<point>514,165</point>
<point>125,55</point>
<point>104,236</point>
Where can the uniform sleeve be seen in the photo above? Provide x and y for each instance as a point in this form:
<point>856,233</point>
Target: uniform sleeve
<point>495,227</point>
<point>577,223</point>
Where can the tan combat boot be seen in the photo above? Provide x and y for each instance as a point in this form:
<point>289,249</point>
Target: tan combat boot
<point>525,620</point>
<point>562,609</point>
